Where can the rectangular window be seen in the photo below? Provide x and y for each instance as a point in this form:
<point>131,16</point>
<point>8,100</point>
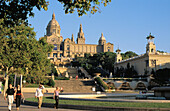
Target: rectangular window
<point>61,54</point>
<point>54,54</point>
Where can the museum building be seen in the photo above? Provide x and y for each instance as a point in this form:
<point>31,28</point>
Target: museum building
<point>69,48</point>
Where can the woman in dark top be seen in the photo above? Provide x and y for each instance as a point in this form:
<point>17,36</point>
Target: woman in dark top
<point>56,96</point>
<point>18,97</point>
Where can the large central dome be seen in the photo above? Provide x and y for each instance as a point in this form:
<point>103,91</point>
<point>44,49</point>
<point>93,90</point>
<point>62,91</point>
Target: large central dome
<point>53,27</point>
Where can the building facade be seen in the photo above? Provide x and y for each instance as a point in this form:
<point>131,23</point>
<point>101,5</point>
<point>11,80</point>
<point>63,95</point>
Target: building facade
<point>145,63</point>
<point>69,48</point>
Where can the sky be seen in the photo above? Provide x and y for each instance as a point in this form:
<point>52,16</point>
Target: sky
<point>125,23</point>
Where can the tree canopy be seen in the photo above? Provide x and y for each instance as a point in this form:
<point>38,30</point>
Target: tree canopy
<point>14,10</point>
<point>128,54</point>
<point>106,60</point>
<point>90,63</point>
<point>21,53</point>
<point>160,51</point>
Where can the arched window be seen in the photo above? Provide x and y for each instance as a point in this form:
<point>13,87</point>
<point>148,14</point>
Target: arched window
<point>152,50</point>
<point>61,54</point>
<point>55,46</point>
<point>108,49</point>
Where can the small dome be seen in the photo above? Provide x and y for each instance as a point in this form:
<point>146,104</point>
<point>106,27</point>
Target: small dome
<point>118,50</point>
<point>53,27</point>
<point>150,37</point>
<point>102,37</point>
<point>53,22</point>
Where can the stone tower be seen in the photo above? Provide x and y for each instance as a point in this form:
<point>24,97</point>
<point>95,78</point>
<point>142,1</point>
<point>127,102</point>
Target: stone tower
<point>102,40</point>
<point>72,38</point>
<point>53,27</point>
<point>118,55</point>
<point>150,47</point>
<point>80,36</point>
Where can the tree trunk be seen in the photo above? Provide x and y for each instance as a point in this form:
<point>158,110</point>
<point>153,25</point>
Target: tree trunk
<point>7,70</point>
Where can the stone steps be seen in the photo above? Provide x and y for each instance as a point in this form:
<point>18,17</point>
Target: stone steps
<point>71,71</point>
<point>155,83</point>
<point>75,86</point>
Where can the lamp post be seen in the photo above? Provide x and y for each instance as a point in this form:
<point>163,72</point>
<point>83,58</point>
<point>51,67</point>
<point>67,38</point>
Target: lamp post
<point>24,81</point>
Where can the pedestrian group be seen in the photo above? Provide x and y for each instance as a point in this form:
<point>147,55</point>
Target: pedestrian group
<point>16,95</point>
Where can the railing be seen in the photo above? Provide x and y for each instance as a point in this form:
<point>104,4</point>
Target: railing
<point>125,79</point>
<point>58,71</point>
<point>85,72</point>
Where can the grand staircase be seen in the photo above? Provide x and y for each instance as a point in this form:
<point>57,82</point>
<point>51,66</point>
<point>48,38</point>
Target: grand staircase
<point>76,86</point>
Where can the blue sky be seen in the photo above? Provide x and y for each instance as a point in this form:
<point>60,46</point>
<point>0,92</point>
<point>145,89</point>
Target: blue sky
<point>125,23</point>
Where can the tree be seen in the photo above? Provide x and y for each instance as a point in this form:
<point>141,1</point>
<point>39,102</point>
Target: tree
<point>163,74</point>
<point>90,63</point>
<point>107,60</point>
<point>130,71</point>
<point>161,51</point>
<point>14,10</point>
<point>128,54</point>
<point>20,51</point>
<point>15,46</point>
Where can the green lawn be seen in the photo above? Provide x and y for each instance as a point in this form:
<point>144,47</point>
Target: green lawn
<point>98,103</point>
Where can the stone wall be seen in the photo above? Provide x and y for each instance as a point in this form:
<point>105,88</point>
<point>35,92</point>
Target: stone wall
<point>75,86</point>
<point>50,90</point>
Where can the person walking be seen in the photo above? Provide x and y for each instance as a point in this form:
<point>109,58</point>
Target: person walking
<point>39,95</point>
<point>10,93</point>
<point>56,96</point>
<point>19,94</point>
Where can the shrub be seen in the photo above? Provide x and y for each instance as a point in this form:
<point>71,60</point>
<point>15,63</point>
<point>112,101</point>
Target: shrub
<point>28,79</point>
<point>45,82</point>
<point>51,83</point>
<point>61,78</point>
<point>101,83</point>
<point>35,85</point>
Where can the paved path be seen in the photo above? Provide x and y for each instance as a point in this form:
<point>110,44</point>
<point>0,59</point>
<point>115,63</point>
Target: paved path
<point>3,103</point>
<point>3,106</point>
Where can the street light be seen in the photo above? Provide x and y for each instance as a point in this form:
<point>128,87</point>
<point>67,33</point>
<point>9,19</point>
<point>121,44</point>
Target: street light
<point>24,81</point>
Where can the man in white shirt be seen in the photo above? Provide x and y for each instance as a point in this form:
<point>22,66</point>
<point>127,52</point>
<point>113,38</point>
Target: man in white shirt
<point>39,95</point>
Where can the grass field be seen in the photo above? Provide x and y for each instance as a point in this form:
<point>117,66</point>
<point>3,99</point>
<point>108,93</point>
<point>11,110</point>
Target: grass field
<point>110,104</point>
